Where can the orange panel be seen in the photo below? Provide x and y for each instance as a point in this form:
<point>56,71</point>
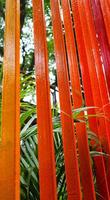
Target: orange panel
<point>10,144</point>
<point>69,142</point>
<point>85,162</point>
<point>84,67</point>
<point>47,164</point>
<point>72,56</point>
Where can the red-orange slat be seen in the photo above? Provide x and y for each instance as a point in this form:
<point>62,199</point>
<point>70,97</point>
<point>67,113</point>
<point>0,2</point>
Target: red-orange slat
<point>46,156</point>
<point>89,193</point>
<point>73,63</point>
<point>92,71</point>
<point>84,70</point>
<point>10,139</point>
<point>86,44</point>
<point>103,132</point>
<point>69,142</point>
<point>96,53</point>
<point>85,74</point>
<point>102,38</point>
<point>100,71</point>
<point>72,56</point>
<point>85,162</point>
<point>93,75</point>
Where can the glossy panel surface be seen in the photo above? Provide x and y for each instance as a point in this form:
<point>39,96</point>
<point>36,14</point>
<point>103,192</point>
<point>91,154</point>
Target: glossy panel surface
<point>69,143</point>
<point>85,162</point>
<point>88,72</point>
<point>102,38</point>
<point>47,173</point>
<point>72,55</point>
<point>10,144</point>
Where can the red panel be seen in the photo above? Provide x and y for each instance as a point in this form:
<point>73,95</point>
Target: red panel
<point>102,38</point>
<point>103,134</point>
<point>105,6</point>
<point>10,143</point>
<point>99,69</point>
<point>69,142</point>
<point>92,71</point>
<point>47,173</point>
<point>89,76</point>
<point>96,54</point>
<point>85,162</point>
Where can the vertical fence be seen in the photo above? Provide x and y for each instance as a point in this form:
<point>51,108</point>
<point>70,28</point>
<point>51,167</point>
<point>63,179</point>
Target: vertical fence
<point>82,55</point>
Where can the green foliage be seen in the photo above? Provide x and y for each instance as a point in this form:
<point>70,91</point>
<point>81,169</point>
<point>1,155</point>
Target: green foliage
<point>29,153</point>
<point>29,148</point>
